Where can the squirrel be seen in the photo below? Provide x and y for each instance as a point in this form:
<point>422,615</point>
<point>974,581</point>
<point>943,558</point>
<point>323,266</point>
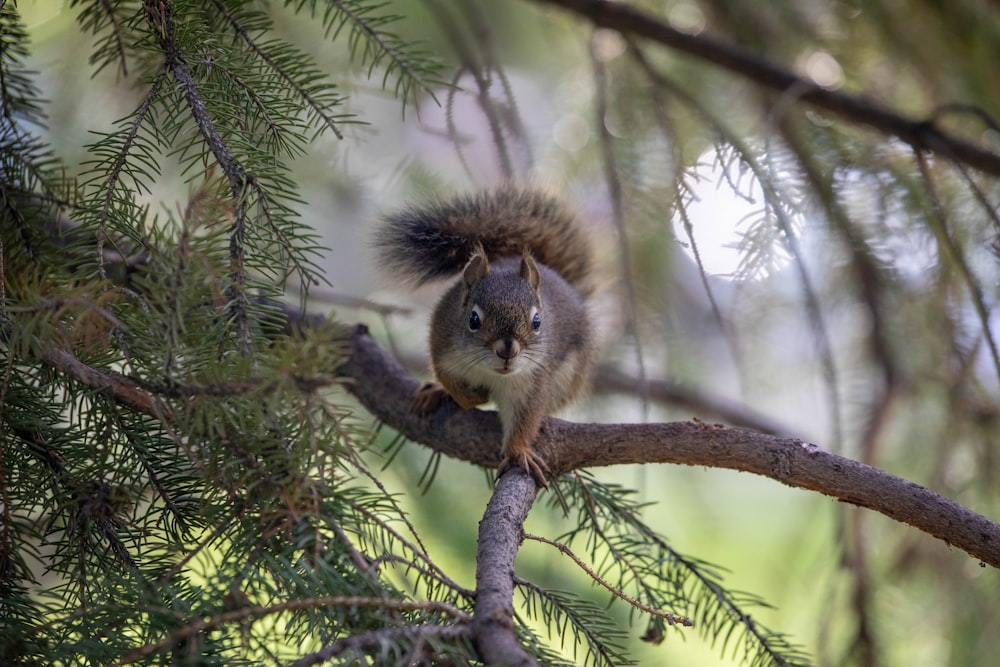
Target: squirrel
<point>514,328</point>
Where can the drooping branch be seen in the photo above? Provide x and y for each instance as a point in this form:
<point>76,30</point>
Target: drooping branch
<point>922,134</point>
<point>318,107</point>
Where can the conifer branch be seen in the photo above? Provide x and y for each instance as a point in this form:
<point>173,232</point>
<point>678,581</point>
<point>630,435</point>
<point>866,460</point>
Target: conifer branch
<point>429,571</point>
<point>577,620</point>
<point>921,134</point>
<point>373,640</point>
<point>159,16</point>
<point>318,108</point>
<point>380,45</point>
<point>116,170</point>
<point>101,15</point>
<point>939,223</point>
<point>671,619</point>
<point>769,643</point>
<point>162,22</point>
<point>435,570</point>
<point>152,473</point>
<point>120,388</point>
<point>386,390</point>
<point>59,303</point>
<point>622,514</point>
<point>500,534</point>
<point>254,613</point>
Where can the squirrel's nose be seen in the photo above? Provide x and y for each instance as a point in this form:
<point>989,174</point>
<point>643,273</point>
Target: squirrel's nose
<point>506,348</point>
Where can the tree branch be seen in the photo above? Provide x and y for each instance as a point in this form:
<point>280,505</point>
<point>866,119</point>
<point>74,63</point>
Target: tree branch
<point>500,535</point>
<point>200,624</point>
<point>382,385</point>
<point>386,390</point>
<point>376,640</point>
<point>161,19</point>
<point>609,380</point>
<point>920,134</point>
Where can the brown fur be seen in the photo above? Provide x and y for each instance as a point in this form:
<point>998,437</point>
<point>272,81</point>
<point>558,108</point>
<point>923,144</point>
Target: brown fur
<point>515,327</point>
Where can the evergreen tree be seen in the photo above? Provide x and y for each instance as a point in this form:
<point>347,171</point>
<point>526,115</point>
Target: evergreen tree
<point>186,476</point>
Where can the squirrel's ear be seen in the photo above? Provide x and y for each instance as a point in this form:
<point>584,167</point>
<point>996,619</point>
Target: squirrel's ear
<point>474,271</point>
<point>529,271</point>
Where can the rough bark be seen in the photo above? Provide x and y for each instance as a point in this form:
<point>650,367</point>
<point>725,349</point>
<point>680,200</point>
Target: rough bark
<point>500,534</point>
<point>385,389</point>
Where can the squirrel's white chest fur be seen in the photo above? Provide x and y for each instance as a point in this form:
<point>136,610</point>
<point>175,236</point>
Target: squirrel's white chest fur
<point>510,391</point>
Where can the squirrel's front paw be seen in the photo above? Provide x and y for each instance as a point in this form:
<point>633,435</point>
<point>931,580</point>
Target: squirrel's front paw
<point>428,399</point>
<point>529,462</point>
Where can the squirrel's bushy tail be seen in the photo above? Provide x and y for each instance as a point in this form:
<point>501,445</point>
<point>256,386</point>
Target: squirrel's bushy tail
<point>435,240</point>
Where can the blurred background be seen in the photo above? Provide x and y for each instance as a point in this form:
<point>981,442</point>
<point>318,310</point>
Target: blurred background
<point>777,267</point>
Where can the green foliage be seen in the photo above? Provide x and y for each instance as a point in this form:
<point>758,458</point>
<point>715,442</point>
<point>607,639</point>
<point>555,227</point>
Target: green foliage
<point>375,46</point>
<point>19,94</point>
<point>27,166</point>
<point>634,559</point>
<point>178,483</point>
<point>232,520</point>
<point>182,481</point>
<point>579,622</point>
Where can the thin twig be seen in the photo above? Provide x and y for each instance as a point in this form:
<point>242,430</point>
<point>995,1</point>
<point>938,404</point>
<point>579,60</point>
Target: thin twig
<point>672,619</point>
<point>616,195</point>
<point>376,639</point>
<point>159,15</point>
<point>250,613</point>
<point>481,76</point>
<point>939,218</point>
<point>921,134</point>
<point>314,104</point>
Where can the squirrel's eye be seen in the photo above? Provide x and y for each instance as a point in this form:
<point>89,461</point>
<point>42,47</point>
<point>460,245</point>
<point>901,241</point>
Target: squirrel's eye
<point>475,321</point>
<point>536,322</point>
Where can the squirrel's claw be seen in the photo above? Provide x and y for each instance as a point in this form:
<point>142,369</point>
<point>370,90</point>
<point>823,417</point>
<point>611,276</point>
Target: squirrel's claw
<point>427,399</point>
<point>530,463</point>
